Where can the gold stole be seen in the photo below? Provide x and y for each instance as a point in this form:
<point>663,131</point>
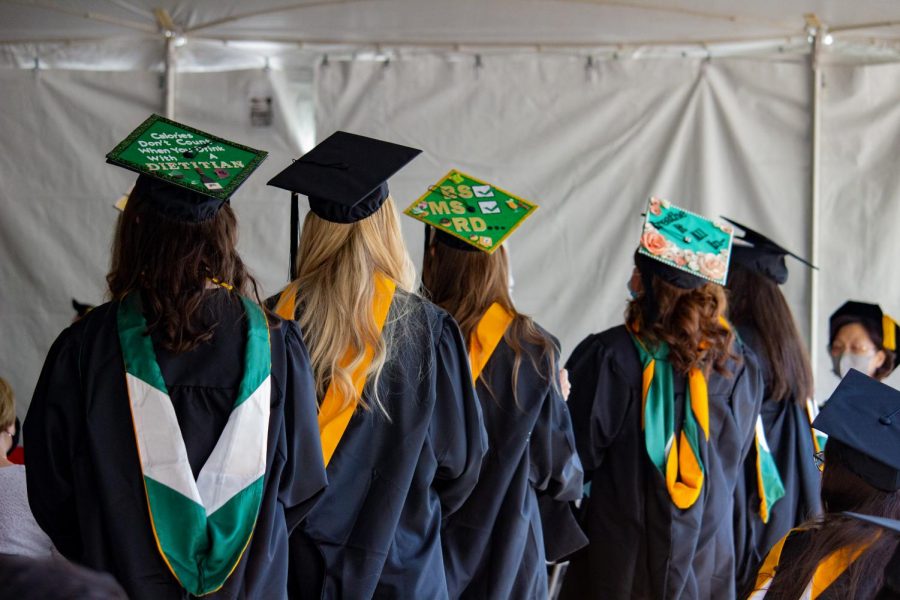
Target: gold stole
<point>826,573</point>
<point>487,335</point>
<point>336,410</point>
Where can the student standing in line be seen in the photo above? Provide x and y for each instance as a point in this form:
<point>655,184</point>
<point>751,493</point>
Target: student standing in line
<point>171,437</point>
<point>664,409</point>
<point>780,486</point>
<point>400,424</point>
<point>837,556</point>
<point>494,545</point>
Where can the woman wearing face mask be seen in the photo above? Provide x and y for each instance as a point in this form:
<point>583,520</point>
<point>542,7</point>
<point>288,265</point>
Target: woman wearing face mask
<point>862,337</point>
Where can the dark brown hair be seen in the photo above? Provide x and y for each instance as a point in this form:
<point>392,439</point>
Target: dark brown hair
<point>842,490</point>
<point>755,301</point>
<point>466,284</point>
<point>170,263</point>
<point>688,321</point>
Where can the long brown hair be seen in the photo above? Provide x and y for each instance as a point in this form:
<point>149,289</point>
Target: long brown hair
<point>170,263</point>
<point>756,302</point>
<point>466,284</point>
<point>688,321</point>
<point>336,267</point>
<point>843,490</point>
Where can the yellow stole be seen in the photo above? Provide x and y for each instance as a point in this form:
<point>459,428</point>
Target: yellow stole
<point>487,335</point>
<point>336,410</point>
<point>827,571</point>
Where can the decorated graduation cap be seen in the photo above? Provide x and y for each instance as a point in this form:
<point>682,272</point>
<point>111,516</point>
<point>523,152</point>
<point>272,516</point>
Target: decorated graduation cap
<point>684,249</point>
<point>761,254</point>
<point>344,178</point>
<point>882,327</point>
<point>862,420</point>
<point>469,214</point>
<point>185,173</point>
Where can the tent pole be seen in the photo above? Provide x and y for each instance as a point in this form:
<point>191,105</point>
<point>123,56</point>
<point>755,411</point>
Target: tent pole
<point>170,69</point>
<point>814,198</point>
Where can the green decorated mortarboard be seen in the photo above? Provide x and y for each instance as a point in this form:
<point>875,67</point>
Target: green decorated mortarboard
<point>473,211</point>
<point>188,174</point>
<point>687,242</point>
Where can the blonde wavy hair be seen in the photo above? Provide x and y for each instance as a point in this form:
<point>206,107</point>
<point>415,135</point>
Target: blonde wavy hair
<point>336,267</point>
<point>7,404</point>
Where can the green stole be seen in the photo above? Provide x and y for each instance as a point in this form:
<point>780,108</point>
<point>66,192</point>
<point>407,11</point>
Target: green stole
<point>202,527</point>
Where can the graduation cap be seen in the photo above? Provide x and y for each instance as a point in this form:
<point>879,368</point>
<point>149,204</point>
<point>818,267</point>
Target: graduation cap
<point>762,255</point>
<point>871,317</point>
<point>184,173</point>
<point>80,308</point>
<point>469,214</point>
<point>344,178</point>
<point>892,524</point>
<point>863,417</point>
<point>684,249</point>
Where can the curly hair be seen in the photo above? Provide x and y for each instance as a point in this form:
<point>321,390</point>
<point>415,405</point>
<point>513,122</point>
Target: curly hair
<point>170,263</point>
<point>691,322</point>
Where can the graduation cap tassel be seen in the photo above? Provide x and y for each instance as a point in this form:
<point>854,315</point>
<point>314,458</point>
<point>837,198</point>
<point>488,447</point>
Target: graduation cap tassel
<point>295,233</point>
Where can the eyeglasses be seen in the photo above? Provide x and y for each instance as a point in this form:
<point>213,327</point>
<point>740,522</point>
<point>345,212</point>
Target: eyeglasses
<point>819,458</point>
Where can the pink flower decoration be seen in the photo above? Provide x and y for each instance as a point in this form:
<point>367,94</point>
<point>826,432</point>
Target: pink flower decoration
<point>654,242</point>
<point>655,206</point>
<point>712,266</point>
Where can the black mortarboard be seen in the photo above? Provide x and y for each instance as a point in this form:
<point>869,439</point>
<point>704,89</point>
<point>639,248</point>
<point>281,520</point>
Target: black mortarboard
<point>81,309</point>
<point>871,316</point>
<point>863,417</point>
<point>762,255</point>
<point>892,524</point>
<point>677,277</point>
<point>184,173</point>
<point>433,234</point>
<point>345,176</point>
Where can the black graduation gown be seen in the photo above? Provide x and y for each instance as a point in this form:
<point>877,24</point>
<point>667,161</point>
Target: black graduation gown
<point>85,484</point>
<point>377,530</point>
<point>494,545</point>
<point>789,436</point>
<point>642,546</point>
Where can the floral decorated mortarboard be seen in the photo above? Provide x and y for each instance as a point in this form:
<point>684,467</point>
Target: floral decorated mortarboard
<point>687,242</point>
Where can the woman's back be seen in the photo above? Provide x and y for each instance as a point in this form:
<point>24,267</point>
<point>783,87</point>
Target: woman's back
<point>494,546</point>
<point>376,531</point>
<point>642,545</point>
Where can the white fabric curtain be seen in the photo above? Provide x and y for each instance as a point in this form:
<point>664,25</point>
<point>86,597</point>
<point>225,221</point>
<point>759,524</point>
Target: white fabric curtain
<point>57,194</point>
<point>860,192</point>
<point>589,143</point>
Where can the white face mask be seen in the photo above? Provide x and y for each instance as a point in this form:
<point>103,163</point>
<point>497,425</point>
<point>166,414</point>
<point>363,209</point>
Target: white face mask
<point>860,362</point>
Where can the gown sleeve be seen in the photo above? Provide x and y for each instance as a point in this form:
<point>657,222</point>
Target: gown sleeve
<point>304,478</point>
<point>556,475</point>
<point>599,401</point>
<point>747,399</point>
<point>50,428</point>
<point>457,428</point>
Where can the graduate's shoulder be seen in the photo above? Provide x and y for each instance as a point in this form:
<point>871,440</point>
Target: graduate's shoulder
<point>611,345</point>
<point>420,313</point>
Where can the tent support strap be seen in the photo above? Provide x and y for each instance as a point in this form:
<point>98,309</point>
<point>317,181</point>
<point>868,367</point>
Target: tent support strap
<point>814,196</point>
<point>170,69</point>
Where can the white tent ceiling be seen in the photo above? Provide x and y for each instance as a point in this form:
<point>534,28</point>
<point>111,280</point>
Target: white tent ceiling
<point>481,23</point>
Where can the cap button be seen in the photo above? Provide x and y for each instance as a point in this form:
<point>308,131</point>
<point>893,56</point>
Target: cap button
<point>885,421</point>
